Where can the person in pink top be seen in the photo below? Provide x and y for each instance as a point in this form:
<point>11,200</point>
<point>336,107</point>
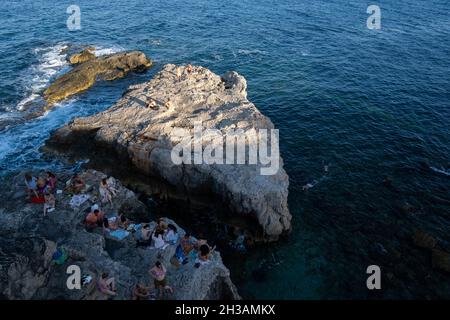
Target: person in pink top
<point>158,273</point>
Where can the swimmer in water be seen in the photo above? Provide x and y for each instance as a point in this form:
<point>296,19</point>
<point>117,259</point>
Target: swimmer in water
<point>307,186</point>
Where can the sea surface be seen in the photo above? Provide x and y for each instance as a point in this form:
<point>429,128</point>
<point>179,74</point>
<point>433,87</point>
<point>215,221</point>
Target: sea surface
<point>367,103</point>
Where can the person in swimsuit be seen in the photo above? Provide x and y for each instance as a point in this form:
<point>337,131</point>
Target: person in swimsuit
<point>95,219</point>
<point>76,184</point>
<point>51,181</point>
<point>141,292</point>
<point>105,192</point>
<point>107,285</point>
<point>158,273</point>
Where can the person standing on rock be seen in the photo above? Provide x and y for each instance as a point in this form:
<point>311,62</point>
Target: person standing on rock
<point>189,69</point>
<point>51,181</point>
<point>106,192</point>
<point>50,203</point>
<point>31,183</point>
<point>158,273</point>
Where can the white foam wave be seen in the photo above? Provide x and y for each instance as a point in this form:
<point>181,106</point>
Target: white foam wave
<point>51,60</point>
<point>155,42</point>
<point>441,170</point>
<point>102,51</point>
<point>255,52</point>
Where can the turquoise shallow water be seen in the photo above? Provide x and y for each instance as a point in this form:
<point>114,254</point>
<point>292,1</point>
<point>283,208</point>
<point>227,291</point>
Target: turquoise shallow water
<point>369,103</point>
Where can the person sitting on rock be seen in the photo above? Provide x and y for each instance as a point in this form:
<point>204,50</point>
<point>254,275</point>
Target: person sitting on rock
<point>51,181</point>
<point>185,247</point>
<point>187,243</point>
<point>200,241</point>
<point>141,292</point>
<point>31,185</point>
<point>75,184</point>
<point>162,225</point>
<point>106,192</point>
<point>95,219</point>
<point>158,240</point>
<point>49,204</point>
<point>171,236</point>
<point>107,285</point>
<point>112,223</point>
<point>42,187</point>
<point>158,273</point>
<point>123,221</point>
<point>203,255</point>
<point>145,240</point>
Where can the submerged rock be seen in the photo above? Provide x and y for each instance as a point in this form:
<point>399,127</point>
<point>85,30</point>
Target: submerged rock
<point>84,75</point>
<point>144,126</point>
<point>441,260</point>
<point>28,242</point>
<point>424,240</point>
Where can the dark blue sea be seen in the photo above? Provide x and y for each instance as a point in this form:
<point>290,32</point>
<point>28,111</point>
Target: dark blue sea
<point>370,104</point>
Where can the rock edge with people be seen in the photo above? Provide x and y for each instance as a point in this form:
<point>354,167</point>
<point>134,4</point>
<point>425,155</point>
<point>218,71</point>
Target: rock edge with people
<point>39,245</point>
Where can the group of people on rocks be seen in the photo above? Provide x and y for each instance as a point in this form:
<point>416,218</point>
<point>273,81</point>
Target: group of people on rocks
<point>163,235</point>
<point>43,189</point>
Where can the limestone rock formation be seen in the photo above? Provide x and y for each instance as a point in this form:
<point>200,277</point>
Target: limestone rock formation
<point>144,126</point>
<point>84,75</point>
<point>28,241</point>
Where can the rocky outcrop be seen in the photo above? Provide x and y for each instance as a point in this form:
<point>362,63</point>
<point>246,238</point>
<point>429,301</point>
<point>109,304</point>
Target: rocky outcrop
<point>84,75</point>
<point>81,57</point>
<point>28,241</point>
<point>144,126</point>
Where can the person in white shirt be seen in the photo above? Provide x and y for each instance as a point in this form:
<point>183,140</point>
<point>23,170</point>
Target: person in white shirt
<point>171,236</point>
<point>158,240</point>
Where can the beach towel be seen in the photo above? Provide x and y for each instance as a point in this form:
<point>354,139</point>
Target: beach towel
<point>38,200</point>
<point>135,227</point>
<point>119,234</point>
<point>60,256</point>
<point>78,199</point>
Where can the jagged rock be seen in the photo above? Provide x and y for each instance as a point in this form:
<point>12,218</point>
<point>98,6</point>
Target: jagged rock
<point>81,57</point>
<point>142,127</point>
<point>424,240</point>
<point>84,75</point>
<point>28,241</point>
<point>441,260</point>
